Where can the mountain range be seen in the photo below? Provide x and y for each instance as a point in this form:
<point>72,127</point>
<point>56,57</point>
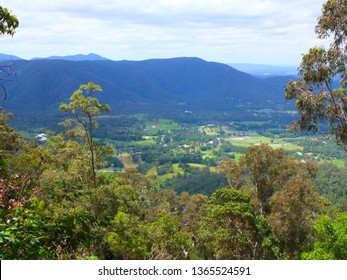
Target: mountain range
<point>76,57</point>
<point>258,70</point>
<point>163,86</point>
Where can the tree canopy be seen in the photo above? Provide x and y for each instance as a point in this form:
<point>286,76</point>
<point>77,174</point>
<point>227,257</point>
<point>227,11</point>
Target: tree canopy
<point>8,22</point>
<point>317,97</point>
<point>84,108</point>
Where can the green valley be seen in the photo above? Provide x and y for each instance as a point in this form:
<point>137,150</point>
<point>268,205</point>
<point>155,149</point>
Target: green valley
<point>175,158</point>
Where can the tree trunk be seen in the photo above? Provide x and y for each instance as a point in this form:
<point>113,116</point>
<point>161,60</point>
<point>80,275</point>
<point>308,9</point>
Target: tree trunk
<point>90,142</point>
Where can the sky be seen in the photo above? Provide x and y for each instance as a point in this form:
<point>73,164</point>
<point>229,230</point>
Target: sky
<point>274,32</point>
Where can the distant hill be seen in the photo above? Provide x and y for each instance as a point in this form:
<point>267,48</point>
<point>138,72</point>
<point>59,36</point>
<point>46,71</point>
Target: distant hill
<point>76,57</point>
<point>8,57</point>
<point>162,86</point>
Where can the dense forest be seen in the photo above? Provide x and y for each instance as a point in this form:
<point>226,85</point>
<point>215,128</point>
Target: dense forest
<point>265,205</point>
<point>144,188</point>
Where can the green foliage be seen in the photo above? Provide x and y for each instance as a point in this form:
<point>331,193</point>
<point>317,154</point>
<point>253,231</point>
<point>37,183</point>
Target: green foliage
<point>38,232</point>
<point>201,181</point>
<point>286,200</point>
<point>32,163</point>
<point>331,241</point>
<point>332,23</point>
<point>128,239</point>
<point>331,182</point>
<point>316,98</point>
<point>193,209</point>
<point>269,244</point>
<point>10,140</point>
<point>22,232</point>
<point>270,169</point>
<point>230,230</point>
<point>8,25</point>
<point>165,169</point>
<point>170,241</point>
<point>232,171</point>
<point>264,164</point>
<point>8,22</point>
<point>137,233</point>
<point>84,108</point>
<point>294,211</point>
<point>114,162</point>
<point>229,223</point>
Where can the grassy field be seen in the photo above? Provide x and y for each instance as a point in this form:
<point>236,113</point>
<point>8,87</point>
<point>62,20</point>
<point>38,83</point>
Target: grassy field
<point>212,131</point>
<point>247,141</point>
<point>176,171</point>
<point>161,124</point>
<point>338,162</point>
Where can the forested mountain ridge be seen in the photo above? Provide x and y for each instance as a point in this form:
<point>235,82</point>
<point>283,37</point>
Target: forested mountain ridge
<point>176,85</point>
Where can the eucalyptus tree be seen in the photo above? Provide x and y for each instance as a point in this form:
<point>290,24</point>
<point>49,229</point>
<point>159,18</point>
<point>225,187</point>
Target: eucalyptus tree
<point>84,109</point>
<point>317,97</point>
<point>232,230</point>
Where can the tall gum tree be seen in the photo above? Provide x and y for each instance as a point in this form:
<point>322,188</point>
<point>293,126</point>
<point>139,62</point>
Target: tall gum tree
<point>318,99</point>
<point>84,108</point>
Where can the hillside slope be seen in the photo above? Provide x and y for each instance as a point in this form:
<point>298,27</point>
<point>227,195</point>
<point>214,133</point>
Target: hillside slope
<point>157,85</point>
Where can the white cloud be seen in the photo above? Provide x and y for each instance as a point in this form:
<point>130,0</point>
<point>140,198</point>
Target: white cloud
<point>268,31</point>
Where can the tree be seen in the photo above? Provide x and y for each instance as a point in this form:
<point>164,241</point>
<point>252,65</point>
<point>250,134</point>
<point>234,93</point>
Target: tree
<point>169,240</point>
<point>128,239</point>
<point>316,97</point>
<point>331,243</point>
<point>294,211</point>
<point>270,170</point>
<point>192,211</point>
<point>10,143</point>
<point>8,25</point>
<point>33,229</point>
<point>10,140</point>
<point>84,108</point>
<point>286,201</point>
<point>331,183</point>
<point>232,171</point>
<point>8,22</point>
<point>231,229</point>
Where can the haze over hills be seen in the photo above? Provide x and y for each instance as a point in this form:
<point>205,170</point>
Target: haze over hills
<point>76,57</point>
<point>179,83</point>
<point>263,71</point>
